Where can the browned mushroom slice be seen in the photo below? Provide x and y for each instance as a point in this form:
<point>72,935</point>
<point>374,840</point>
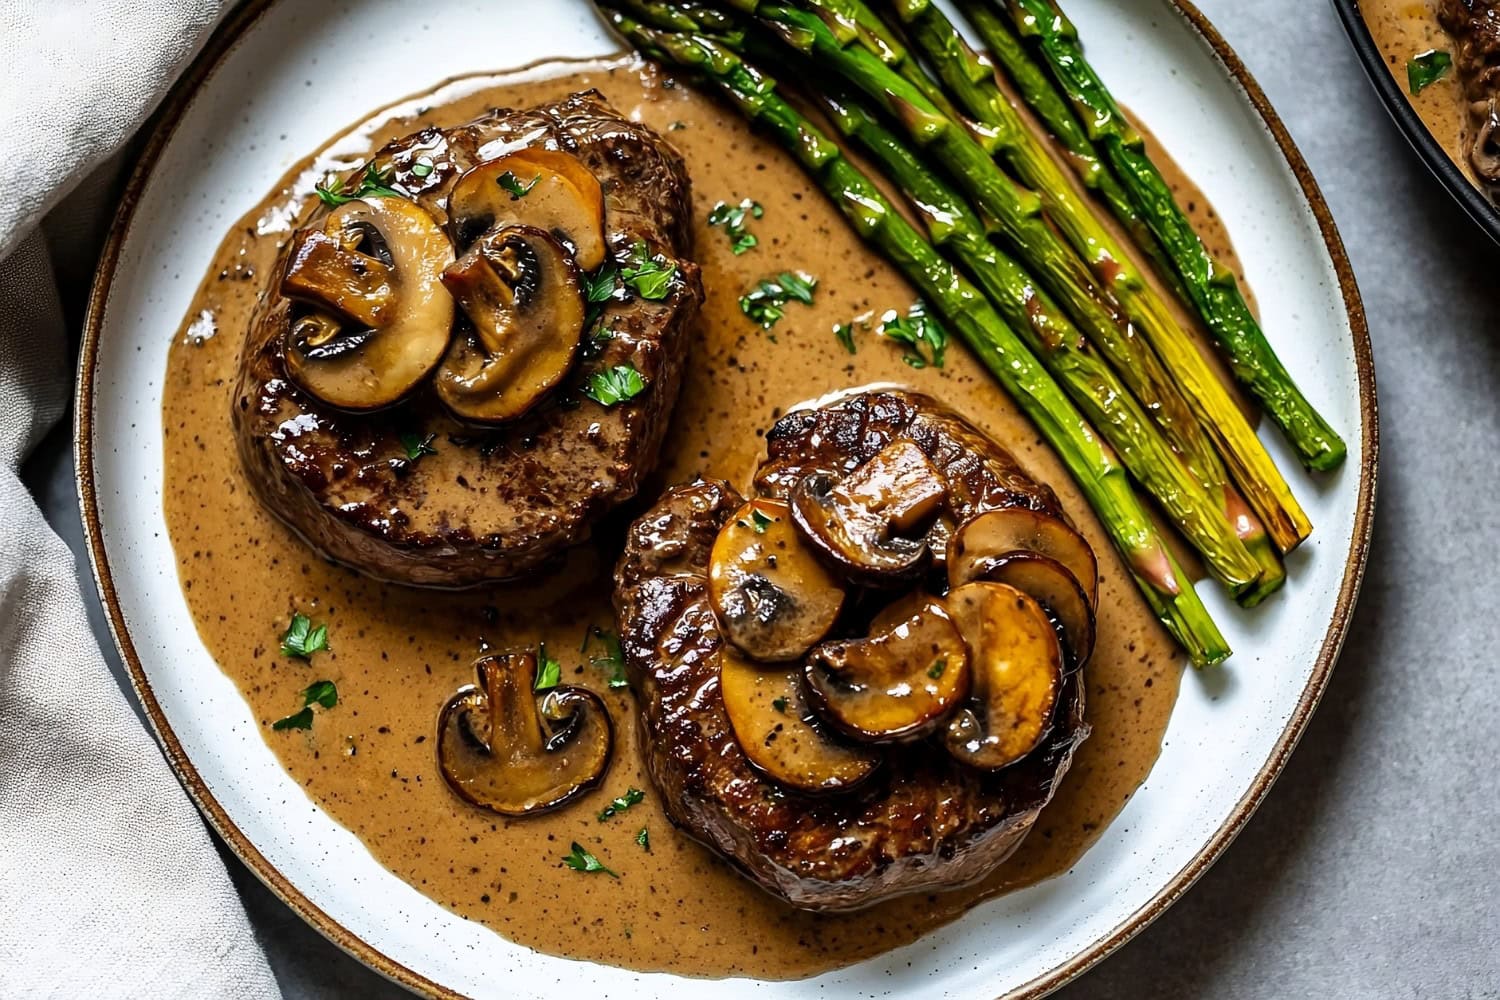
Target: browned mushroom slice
<point>507,748</point>
<point>521,293</point>
<point>780,734</point>
<point>870,523</point>
<point>545,188</point>
<point>1050,584</point>
<point>899,684</point>
<point>981,541</point>
<point>772,596</point>
<point>1016,663</point>
<point>380,320</point>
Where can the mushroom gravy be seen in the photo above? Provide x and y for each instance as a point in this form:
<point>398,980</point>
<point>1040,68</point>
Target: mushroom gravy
<point>398,654</point>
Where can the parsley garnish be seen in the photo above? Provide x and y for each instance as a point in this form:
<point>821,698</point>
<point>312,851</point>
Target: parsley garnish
<point>416,446</point>
<point>582,861</point>
<point>917,331</point>
<point>613,659</point>
<point>318,693</point>
<point>511,183</point>
<point>763,302</point>
<point>621,803</point>
<point>302,640</point>
<point>614,385</point>
<point>759,521</point>
<point>375,182</point>
<point>423,167</point>
<point>732,218</point>
<point>844,334</point>
<point>548,672</point>
<point>649,277</point>
<point>779,704</point>
<point>1422,71</point>
<point>644,839</point>
<point>938,666</point>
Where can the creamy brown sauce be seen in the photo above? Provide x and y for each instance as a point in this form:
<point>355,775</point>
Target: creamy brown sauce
<point>397,654</point>
<point>1406,28</point>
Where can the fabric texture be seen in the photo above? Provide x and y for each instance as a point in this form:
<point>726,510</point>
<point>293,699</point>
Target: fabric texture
<point>109,883</point>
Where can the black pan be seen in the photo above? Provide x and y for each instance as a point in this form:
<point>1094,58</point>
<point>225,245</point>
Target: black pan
<point>1480,208</point>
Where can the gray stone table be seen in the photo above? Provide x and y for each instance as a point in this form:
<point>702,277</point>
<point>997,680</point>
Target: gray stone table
<point>1371,870</point>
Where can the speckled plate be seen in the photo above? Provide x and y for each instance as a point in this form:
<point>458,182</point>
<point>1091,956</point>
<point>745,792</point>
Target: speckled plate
<point>279,78</point>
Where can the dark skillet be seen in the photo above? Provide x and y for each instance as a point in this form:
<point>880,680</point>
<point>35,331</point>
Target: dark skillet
<point>1480,209</point>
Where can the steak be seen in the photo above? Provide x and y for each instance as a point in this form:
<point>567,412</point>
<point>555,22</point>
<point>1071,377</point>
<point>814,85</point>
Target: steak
<point>923,822</point>
<point>482,505</point>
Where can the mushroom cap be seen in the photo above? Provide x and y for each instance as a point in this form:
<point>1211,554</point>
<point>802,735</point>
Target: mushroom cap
<point>506,747</point>
<point>546,188</point>
<point>981,541</point>
<point>381,319</point>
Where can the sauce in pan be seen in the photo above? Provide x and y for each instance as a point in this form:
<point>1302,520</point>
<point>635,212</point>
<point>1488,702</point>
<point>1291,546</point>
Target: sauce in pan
<point>397,654</point>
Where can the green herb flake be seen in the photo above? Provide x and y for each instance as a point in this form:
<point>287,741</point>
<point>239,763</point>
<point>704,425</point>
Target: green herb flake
<point>844,334</point>
<point>760,522</point>
<point>302,640</point>
<point>614,385</point>
<point>926,341</point>
<point>513,186</point>
<point>374,183</point>
<point>582,861</point>
<point>779,704</point>
<point>676,126</point>
<point>732,218</point>
<point>423,167</point>
<point>937,669</point>
<point>322,693</point>
<point>1423,70</point>
<point>548,671</point>
<point>644,839</point>
<point>631,797</point>
<point>763,303</point>
<point>415,445</point>
<point>613,658</point>
<point>648,276</point>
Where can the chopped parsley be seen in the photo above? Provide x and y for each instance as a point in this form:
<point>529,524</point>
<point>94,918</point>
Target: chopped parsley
<point>423,167</point>
<point>416,446</point>
<point>649,277</point>
<point>548,670</point>
<point>322,693</point>
<point>631,797</point>
<point>374,183</point>
<point>779,704</point>
<point>582,861</point>
<point>1423,70</point>
<point>925,339</point>
<point>763,303</point>
<point>844,334</point>
<point>759,521</point>
<point>614,385</point>
<point>644,839</point>
<point>938,667</point>
<point>613,659</point>
<point>512,184</point>
<point>732,218</point>
<point>302,640</point>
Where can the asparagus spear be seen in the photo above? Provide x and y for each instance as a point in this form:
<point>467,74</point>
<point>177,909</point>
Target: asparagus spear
<point>1094,387</point>
<point>1210,285</point>
<point>1019,214</point>
<point>1092,464</point>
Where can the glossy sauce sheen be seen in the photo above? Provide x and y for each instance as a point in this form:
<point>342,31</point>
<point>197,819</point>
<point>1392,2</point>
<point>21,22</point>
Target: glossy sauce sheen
<point>1406,28</point>
<point>397,654</point>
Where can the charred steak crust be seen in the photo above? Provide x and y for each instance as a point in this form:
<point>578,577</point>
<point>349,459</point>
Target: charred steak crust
<point>922,823</point>
<point>497,504</point>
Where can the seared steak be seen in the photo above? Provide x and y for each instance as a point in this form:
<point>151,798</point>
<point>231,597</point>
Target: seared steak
<point>489,504</point>
<point>922,822</point>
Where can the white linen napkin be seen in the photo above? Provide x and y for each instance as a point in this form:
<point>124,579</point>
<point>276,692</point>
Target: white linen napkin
<point>109,884</point>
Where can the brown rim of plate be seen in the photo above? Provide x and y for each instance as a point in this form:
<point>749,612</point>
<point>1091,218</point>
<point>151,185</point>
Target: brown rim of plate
<point>161,128</point>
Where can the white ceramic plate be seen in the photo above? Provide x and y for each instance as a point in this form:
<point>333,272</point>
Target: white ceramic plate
<point>282,77</point>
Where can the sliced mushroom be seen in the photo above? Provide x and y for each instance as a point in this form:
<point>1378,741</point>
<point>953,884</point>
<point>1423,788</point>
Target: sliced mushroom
<point>772,596</point>
<point>901,683</point>
<point>1050,584</point>
<point>521,293</point>
<point>545,188</point>
<point>1017,666</point>
<point>869,524</point>
<point>508,748</point>
<point>779,732</point>
<point>380,319</point>
<point>983,540</point>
